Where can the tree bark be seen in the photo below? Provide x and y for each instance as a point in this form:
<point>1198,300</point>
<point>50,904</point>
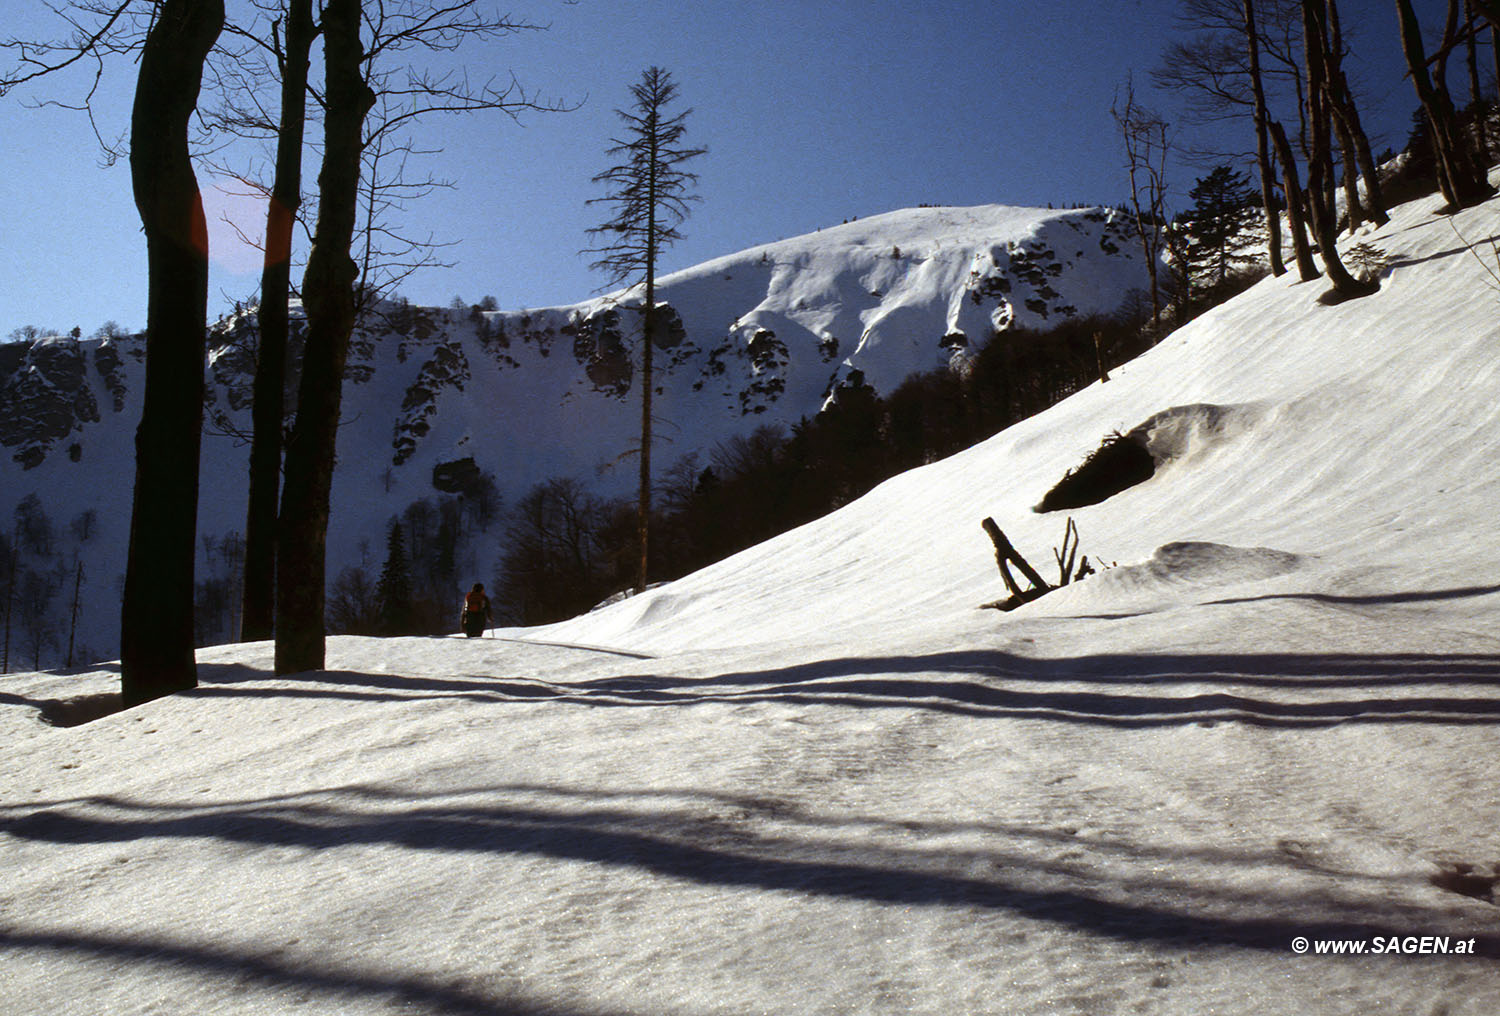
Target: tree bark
<point>1346,114</point>
<point>1262,146</point>
<point>1320,154</point>
<point>156,628</point>
<point>1334,95</point>
<point>648,319</point>
<point>328,295</point>
<point>1295,208</point>
<point>259,609</point>
<point>1006,551</point>
<point>1476,95</point>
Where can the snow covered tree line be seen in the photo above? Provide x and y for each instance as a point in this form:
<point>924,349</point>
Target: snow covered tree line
<point>566,548</point>
<point>41,577</point>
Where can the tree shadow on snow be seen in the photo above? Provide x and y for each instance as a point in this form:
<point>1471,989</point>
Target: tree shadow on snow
<point>1188,897</point>
<point>276,972</point>
<point>1118,690</point>
<point>1375,599</point>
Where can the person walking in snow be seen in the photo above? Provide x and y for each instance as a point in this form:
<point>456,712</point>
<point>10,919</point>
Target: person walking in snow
<point>476,615</point>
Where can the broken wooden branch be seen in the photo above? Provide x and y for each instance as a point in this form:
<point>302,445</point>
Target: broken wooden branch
<point>1067,557</point>
<point>1006,554</point>
<point>1070,567</point>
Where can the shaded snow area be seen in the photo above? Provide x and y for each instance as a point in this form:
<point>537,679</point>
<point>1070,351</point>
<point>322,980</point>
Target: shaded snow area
<point>817,778</point>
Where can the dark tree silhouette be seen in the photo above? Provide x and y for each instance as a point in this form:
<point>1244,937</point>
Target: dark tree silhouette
<point>1358,163</point>
<point>1146,146</point>
<point>1315,27</point>
<point>1460,179</point>
<point>1222,205</point>
<point>1263,161</point>
<point>328,295</point>
<point>331,293</point>
<point>393,592</point>
<point>1296,206</point>
<point>649,195</point>
<point>156,634</point>
<point>292,47</point>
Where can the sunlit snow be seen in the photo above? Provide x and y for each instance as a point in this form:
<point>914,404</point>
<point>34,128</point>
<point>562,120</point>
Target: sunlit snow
<point>818,778</point>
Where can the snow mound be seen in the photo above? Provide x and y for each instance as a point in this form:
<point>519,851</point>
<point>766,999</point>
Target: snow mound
<point>1205,564</point>
<point>1175,574</point>
<point>1189,433</point>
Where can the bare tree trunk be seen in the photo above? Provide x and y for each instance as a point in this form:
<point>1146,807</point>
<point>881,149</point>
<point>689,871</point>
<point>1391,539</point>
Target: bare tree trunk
<point>648,337</point>
<point>1476,96</point>
<point>1346,117</point>
<point>1458,178</point>
<point>156,630</point>
<point>643,503</point>
<point>1005,552</point>
<point>73,611</point>
<point>1296,210</point>
<point>1262,146</point>
<point>1320,157</point>
<point>1145,137</point>
<point>1348,169</point>
<point>328,295</point>
<point>1495,49</point>
<point>259,612</point>
<point>10,601</point>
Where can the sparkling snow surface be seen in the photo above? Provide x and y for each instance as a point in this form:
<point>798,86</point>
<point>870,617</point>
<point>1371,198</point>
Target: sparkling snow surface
<point>816,778</point>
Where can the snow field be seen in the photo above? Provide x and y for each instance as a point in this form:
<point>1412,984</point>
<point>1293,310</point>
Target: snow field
<point>817,778</point>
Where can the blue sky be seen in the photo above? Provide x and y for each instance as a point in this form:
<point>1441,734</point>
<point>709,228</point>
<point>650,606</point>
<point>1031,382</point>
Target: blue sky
<point>812,113</point>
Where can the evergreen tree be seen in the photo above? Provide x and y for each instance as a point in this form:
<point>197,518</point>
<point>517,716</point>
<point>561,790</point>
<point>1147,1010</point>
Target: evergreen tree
<point>1224,204</point>
<point>648,190</point>
<point>393,591</point>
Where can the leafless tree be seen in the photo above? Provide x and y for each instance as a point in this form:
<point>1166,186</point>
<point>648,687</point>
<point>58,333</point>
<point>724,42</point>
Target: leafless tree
<point>1460,179</point>
<point>173,39</point>
<point>1146,146</point>
<point>156,635</point>
<point>1263,161</point>
<point>1320,156</point>
<point>361,38</point>
<point>287,42</point>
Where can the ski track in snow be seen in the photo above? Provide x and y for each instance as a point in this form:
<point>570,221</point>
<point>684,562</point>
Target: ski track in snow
<point>817,778</point>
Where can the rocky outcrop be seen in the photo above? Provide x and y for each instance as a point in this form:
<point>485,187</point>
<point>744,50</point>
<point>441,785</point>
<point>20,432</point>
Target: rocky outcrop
<point>448,367</point>
<point>44,396</point>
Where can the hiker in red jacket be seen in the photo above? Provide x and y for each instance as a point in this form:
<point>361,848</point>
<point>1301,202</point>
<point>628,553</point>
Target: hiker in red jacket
<point>476,615</point>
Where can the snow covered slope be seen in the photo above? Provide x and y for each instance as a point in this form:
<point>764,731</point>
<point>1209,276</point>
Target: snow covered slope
<point>756,337</point>
<point>817,778</point>
<point>1347,436</point>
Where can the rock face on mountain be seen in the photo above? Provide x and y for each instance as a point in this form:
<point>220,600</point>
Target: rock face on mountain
<point>47,395</point>
<point>761,336</point>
